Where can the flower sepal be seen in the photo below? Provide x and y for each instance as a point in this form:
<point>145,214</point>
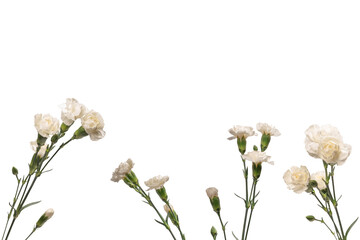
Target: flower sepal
<point>162,194</point>
<point>241,142</point>
<point>80,133</point>
<point>265,140</point>
<point>256,170</point>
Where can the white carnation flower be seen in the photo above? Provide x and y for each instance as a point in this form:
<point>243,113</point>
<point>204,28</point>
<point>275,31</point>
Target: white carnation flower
<point>241,132</point>
<point>325,142</point>
<point>93,124</point>
<point>212,192</point>
<point>319,177</point>
<point>121,171</point>
<point>42,150</point>
<point>297,179</point>
<point>156,182</point>
<point>72,110</point>
<point>257,157</point>
<point>49,213</point>
<point>265,128</point>
<point>46,125</point>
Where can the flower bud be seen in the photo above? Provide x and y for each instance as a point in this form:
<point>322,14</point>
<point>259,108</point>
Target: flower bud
<point>265,140</point>
<point>80,133</point>
<point>255,148</point>
<point>14,171</point>
<point>241,145</point>
<point>256,170</point>
<point>162,194</point>
<point>213,232</point>
<point>55,138</point>
<point>214,198</point>
<point>311,218</point>
<point>172,214</point>
<point>46,216</point>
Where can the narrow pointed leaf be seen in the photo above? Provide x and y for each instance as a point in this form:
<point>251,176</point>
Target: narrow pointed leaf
<point>347,232</point>
<point>29,205</point>
<point>159,222</point>
<point>234,236</point>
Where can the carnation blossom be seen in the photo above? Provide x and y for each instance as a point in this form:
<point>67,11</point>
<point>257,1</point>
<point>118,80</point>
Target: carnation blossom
<point>325,142</point>
<point>265,128</point>
<point>319,177</point>
<point>72,110</point>
<point>156,182</point>
<point>93,124</point>
<point>212,192</point>
<point>257,157</point>
<point>46,125</point>
<point>297,179</point>
<point>121,171</point>
<point>241,132</point>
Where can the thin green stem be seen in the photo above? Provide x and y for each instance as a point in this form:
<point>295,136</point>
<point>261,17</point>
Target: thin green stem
<point>30,234</point>
<point>246,198</point>
<point>334,200</point>
<point>61,146</point>
<point>175,217</point>
<point>253,189</point>
<point>148,199</point>
<point>12,208</point>
<point>222,225</point>
<point>322,221</point>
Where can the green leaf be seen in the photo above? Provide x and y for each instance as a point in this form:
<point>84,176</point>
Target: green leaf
<point>234,236</point>
<point>347,232</point>
<point>159,222</point>
<point>29,205</point>
<point>240,197</point>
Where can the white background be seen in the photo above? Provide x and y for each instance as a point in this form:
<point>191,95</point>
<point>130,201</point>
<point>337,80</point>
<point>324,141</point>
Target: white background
<point>170,78</point>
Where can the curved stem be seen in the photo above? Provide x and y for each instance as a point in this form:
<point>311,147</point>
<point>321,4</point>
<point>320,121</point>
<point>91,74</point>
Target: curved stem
<point>12,208</point>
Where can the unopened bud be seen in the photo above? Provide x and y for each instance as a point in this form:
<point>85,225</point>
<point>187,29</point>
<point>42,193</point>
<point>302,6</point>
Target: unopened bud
<point>213,232</point>
<point>46,216</point>
<point>14,171</point>
<point>214,198</point>
<point>311,218</point>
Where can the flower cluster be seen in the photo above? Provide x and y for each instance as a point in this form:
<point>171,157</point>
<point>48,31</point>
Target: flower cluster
<point>49,127</point>
<point>325,143</point>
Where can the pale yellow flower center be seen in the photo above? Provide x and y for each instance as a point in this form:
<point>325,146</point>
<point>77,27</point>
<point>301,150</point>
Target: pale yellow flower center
<point>329,150</point>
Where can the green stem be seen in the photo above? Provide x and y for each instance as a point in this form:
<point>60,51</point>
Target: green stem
<point>61,146</point>
<point>253,189</point>
<point>222,225</point>
<point>12,208</point>
<point>334,201</point>
<point>174,216</point>
<point>246,198</point>
<point>30,234</point>
<point>148,199</point>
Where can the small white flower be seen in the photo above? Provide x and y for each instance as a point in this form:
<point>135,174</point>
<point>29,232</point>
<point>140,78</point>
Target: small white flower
<point>49,213</point>
<point>297,179</point>
<point>241,132</point>
<point>72,110</point>
<point>93,124</point>
<point>121,171</point>
<point>257,157</point>
<point>265,128</point>
<point>167,209</point>
<point>46,125</point>
<point>212,192</point>
<point>42,150</point>
<point>325,142</point>
<point>319,177</point>
<point>156,182</point>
